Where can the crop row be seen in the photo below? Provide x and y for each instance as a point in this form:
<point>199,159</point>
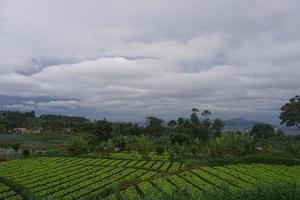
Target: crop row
<point>204,178</point>
<point>7,193</point>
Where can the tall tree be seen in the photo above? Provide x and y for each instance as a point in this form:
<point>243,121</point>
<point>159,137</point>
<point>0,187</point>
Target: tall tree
<point>172,123</point>
<point>194,117</point>
<point>262,131</point>
<point>155,125</point>
<point>103,129</point>
<point>217,127</point>
<point>290,112</point>
<point>195,122</point>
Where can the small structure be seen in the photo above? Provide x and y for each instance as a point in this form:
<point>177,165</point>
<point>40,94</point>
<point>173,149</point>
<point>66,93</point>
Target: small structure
<point>20,130</point>
<point>67,130</point>
<point>34,130</point>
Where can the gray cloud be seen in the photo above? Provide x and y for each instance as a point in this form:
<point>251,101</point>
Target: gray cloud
<point>129,58</point>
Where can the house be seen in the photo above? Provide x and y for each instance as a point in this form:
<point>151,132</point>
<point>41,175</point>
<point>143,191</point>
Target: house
<point>20,130</point>
<point>34,130</point>
<point>67,130</point>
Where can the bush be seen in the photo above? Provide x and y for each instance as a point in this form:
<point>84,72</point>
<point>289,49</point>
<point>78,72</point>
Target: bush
<point>180,138</point>
<point>293,149</point>
<point>78,146</point>
<point>160,150</point>
<point>106,148</point>
<point>262,131</point>
<point>16,147</point>
<point>231,144</point>
<point>144,145</point>
<point>53,152</point>
<point>26,152</point>
<point>120,142</point>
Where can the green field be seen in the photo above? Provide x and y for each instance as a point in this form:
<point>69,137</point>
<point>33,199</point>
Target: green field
<point>84,178</point>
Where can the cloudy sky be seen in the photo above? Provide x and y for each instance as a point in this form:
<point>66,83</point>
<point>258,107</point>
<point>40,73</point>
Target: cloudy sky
<point>124,59</point>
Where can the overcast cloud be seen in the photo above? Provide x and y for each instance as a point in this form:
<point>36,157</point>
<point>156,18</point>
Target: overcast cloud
<point>123,59</point>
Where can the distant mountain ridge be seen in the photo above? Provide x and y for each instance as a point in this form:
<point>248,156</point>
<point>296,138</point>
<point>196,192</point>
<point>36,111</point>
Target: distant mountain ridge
<point>244,125</point>
<point>240,124</point>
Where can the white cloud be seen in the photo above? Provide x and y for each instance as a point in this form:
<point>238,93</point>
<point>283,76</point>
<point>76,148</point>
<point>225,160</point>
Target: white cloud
<point>159,57</point>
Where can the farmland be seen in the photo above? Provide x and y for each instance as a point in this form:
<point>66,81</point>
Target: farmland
<point>85,178</point>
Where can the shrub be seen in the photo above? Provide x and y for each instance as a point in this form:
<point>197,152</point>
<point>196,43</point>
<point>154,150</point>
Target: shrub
<point>160,150</point>
<point>120,142</point>
<point>293,149</point>
<point>231,144</point>
<point>16,147</point>
<point>78,146</point>
<point>180,138</point>
<point>262,131</point>
<point>106,148</point>
<point>215,147</point>
<point>26,152</point>
<point>144,145</point>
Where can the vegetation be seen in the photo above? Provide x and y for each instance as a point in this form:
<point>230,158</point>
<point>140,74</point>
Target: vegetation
<point>290,112</point>
<point>277,191</point>
<point>186,158</point>
<point>87,178</point>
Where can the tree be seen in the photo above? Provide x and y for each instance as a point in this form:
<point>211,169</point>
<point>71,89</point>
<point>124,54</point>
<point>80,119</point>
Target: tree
<point>205,128</point>
<point>78,146</point>
<point>107,147</point>
<point>144,145</point>
<point>217,127</point>
<point>180,138</point>
<point>120,142</point>
<point>195,122</point>
<point>16,147</point>
<point>154,125</point>
<point>262,131</point>
<point>26,152</point>
<point>160,150</point>
<point>172,123</point>
<point>290,112</point>
<point>103,129</point>
<point>194,117</point>
<point>206,114</point>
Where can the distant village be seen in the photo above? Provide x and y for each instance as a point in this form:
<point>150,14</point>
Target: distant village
<point>36,130</point>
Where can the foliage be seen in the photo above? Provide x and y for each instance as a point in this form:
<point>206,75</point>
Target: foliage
<point>164,190</point>
<point>16,147</point>
<point>290,112</point>
<point>233,144</point>
<point>103,129</point>
<point>154,125</point>
<point>14,119</point>
<point>160,150</point>
<point>120,142</point>
<point>144,145</point>
<point>278,191</point>
<point>26,152</point>
<point>106,147</point>
<point>217,127</point>
<point>172,123</point>
<point>179,138</point>
<point>78,146</point>
<point>262,131</point>
<point>60,122</point>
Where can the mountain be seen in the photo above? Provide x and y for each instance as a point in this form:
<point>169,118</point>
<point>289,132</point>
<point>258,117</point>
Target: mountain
<point>239,124</point>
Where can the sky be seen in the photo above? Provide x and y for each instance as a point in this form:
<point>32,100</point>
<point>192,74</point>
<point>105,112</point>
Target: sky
<point>125,59</point>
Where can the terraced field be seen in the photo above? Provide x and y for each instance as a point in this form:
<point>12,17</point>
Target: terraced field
<point>7,193</point>
<point>82,178</point>
<point>77,178</point>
